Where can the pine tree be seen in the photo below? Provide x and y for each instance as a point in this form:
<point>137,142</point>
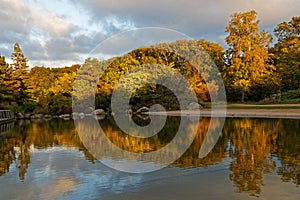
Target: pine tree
<point>19,74</point>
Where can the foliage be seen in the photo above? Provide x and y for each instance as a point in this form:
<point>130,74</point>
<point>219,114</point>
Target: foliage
<point>286,53</point>
<point>251,71</point>
<point>19,75</point>
<point>29,107</point>
<point>13,108</point>
<point>59,104</point>
<point>5,80</point>
<point>288,31</point>
<point>291,94</point>
<point>247,59</point>
<point>173,55</point>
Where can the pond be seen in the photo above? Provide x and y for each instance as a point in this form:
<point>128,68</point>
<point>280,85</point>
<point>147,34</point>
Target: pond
<point>252,159</point>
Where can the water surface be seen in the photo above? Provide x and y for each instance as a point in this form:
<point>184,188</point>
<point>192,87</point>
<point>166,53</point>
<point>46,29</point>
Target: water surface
<point>253,158</point>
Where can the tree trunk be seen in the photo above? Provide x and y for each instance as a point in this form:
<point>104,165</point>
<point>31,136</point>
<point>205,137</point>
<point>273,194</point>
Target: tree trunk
<point>243,96</point>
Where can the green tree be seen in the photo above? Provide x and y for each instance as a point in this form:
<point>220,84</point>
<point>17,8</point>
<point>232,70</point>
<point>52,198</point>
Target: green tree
<point>247,59</point>
<point>287,53</point>
<point>5,80</point>
<point>288,31</point>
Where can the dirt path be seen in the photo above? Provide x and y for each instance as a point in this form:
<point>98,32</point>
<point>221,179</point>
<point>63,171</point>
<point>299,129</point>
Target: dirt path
<point>293,113</point>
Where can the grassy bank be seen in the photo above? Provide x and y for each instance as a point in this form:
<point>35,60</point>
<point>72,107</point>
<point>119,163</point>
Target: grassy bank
<point>265,106</point>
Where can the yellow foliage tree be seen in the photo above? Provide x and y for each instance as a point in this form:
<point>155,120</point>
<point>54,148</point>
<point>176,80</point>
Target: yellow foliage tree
<point>247,59</point>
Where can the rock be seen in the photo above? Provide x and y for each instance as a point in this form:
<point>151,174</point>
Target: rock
<point>65,116</point>
<point>14,104</point>
<point>37,116</point>
<point>48,116</point>
<point>98,112</point>
<point>194,106</point>
<point>4,104</point>
<point>142,110</point>
<point>40,116</point>
<point>89,110</point>
<point>19,115</point>
<point>99,117</point>
<point>275,97</point>
<point>75,115</point>
<point>129,112</point>
<point>143,117</point>
<point>27,116</point>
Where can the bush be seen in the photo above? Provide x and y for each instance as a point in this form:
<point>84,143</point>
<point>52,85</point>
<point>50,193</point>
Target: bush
<point>12,108</point>
<point>291,94</point>
<point>28,107</point>
<point>60,104</point>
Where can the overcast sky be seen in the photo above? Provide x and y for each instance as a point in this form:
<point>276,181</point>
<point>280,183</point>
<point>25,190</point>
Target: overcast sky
<point>57,33</point>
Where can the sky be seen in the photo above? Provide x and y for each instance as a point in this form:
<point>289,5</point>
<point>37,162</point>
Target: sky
<point>60,33</point>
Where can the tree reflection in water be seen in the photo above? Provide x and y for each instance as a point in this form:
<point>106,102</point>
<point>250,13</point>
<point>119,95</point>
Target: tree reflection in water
<point>252,145</point>
<point>15,145</point>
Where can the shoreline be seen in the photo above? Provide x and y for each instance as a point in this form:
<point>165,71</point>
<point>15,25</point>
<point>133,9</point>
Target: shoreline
<point>248,113</point>
<point>291,111</point>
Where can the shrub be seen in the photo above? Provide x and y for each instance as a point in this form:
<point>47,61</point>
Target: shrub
<point>291,94</point>
<point>60,104</point>
<point>28,107</point>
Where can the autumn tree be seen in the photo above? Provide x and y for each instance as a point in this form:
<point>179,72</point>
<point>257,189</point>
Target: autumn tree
<point>40,80</point>
<point>287,53</point>
<point>5,80</point>
<point>60,94</point>
<point>247,59</point>
<point>187,57</point>
<point>51,89</point>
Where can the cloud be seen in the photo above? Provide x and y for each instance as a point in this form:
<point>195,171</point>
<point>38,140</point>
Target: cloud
<point>29,26</point>
<point>47,37</point>
<point>17,17</point>
<point>194,17</point>
<point>13,15</point>
<point>50,23</point>
<point>65,31</point>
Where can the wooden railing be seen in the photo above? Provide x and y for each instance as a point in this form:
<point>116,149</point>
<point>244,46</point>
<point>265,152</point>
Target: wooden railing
<point>7,126</point>
<point>6,115</point>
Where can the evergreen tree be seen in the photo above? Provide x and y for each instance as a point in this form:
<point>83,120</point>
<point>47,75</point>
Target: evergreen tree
<point>19,74</point>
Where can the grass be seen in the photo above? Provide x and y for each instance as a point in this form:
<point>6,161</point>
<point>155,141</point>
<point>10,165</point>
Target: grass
<point>255,105</point>
<point>289,100</point>
<point>246,106</point>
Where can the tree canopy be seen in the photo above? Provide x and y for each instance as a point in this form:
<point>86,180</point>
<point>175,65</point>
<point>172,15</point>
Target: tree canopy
<point>250,68</point>
<point>248,62</point>
<point>287,53</point>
